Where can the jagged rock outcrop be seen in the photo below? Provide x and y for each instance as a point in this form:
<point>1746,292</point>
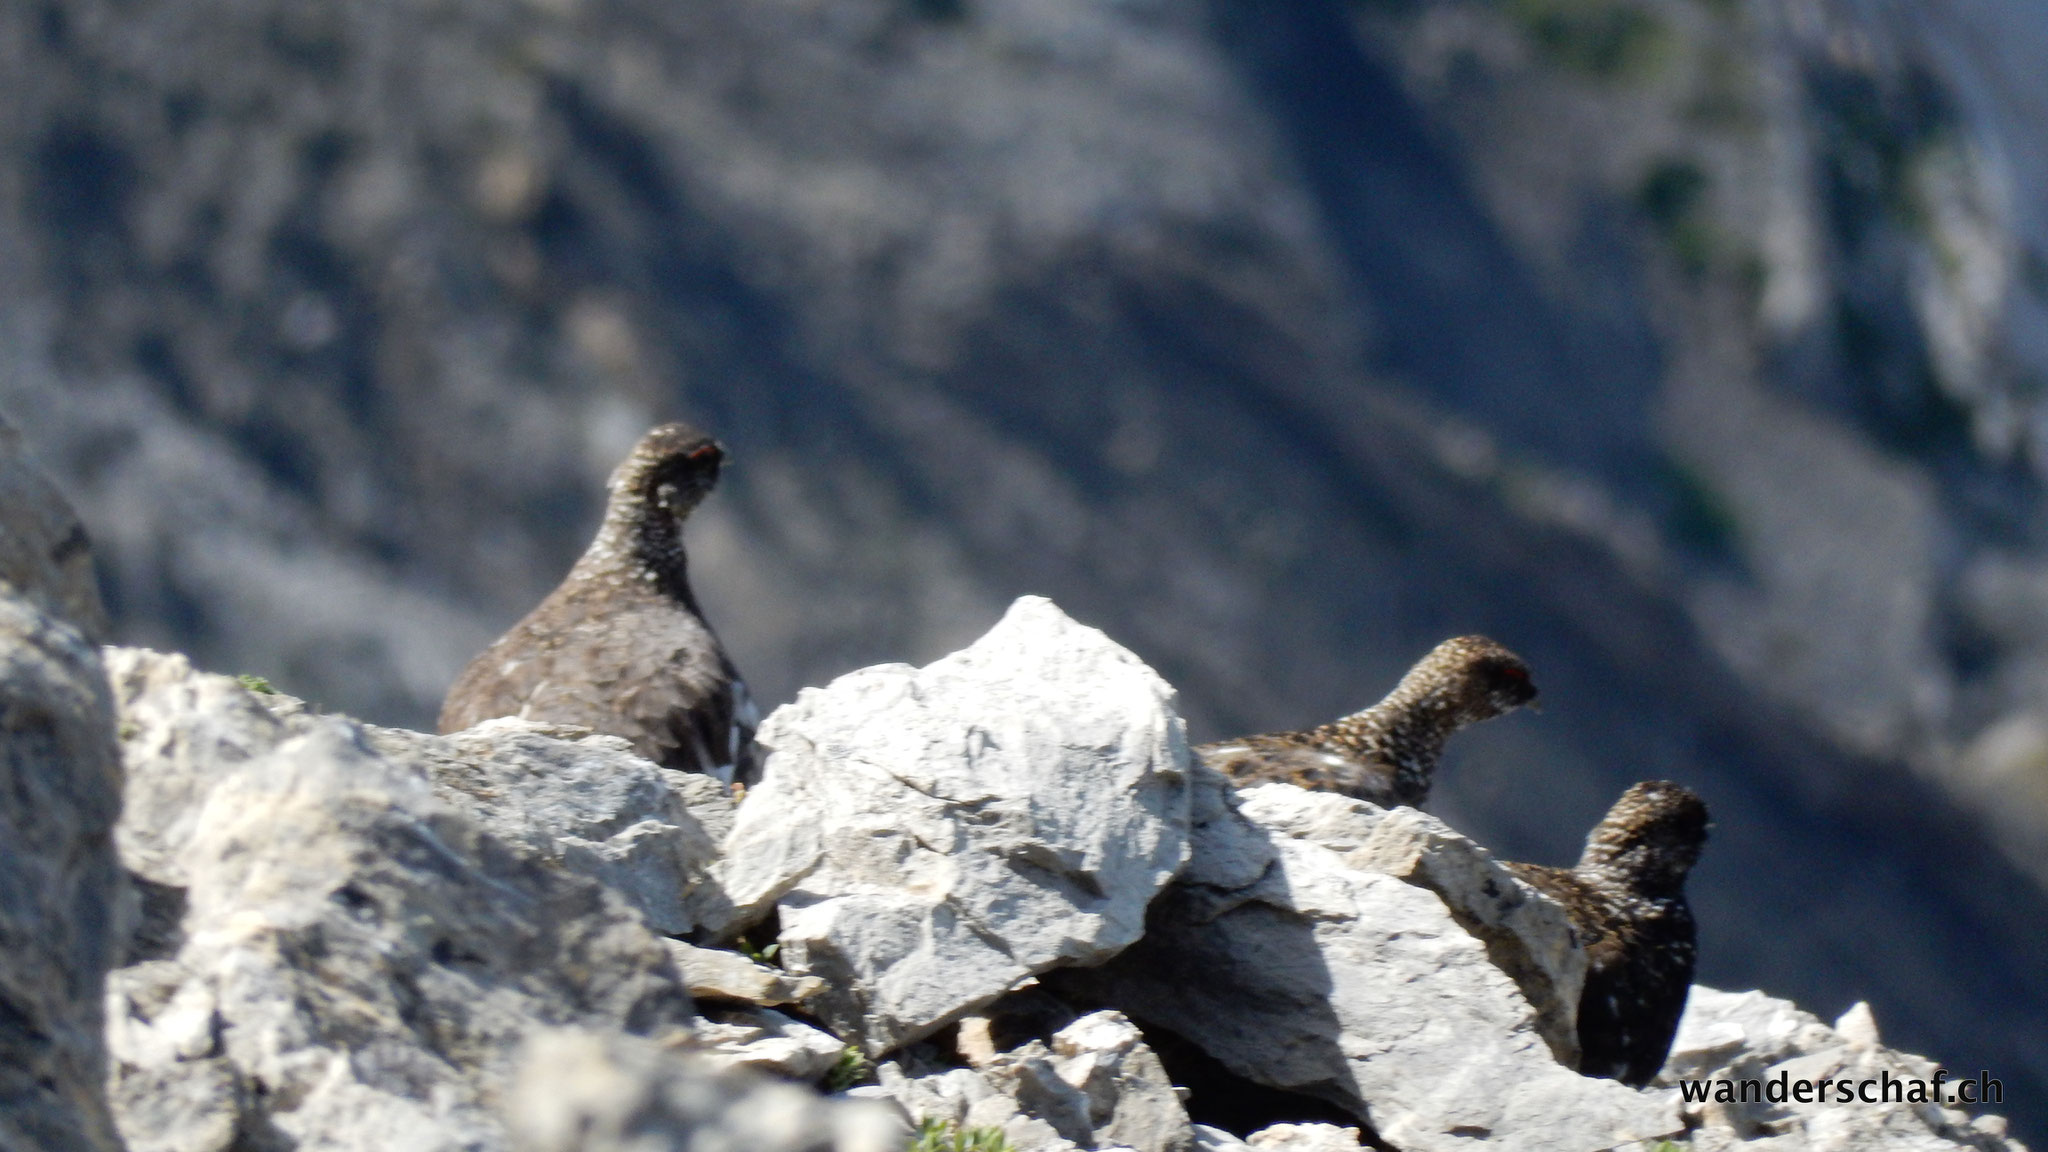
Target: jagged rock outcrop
<point>1284,955</point>
<point>1728,1036</point>
<point>585,801</point>
<point>932,837</point>
<point>1526,936</point>
<point>357,961</point>
<point>345,937</point>
<point>60,790</point>
<point>580,801</point>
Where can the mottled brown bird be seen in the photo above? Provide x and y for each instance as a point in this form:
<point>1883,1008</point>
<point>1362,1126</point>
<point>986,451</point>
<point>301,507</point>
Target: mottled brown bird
<point>620,646</point>
<point>1626,900</point>
<point>1388,752</point>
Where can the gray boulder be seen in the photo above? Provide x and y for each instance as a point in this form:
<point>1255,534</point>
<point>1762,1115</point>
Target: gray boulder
<point>582,1091</point>
<point>181,732</point>
<point>1527,935</point>
<point>583,801</point>
<point>59,878</point>
<point>933,837</point>
<point>562,796</point>
<point>1282,953</point>
<point>1735,1037</point>
<point>358,962</point>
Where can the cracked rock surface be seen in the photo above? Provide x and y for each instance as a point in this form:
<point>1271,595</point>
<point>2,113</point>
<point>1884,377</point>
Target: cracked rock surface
<point>933,836</point>
<point>1285,955</point>
<point>357,961</point>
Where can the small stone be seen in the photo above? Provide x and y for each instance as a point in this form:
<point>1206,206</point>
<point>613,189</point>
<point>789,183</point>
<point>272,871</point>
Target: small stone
<point>1858,1026</point>
<point>1306,1138</point>
<point>721,975</point>
<point>766,1041</point>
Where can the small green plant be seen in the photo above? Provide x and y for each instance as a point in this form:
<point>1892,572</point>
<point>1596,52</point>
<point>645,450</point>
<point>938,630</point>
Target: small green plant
<point>1666,1146</point>
<point>255,684</point>
<point>946,1136</point>
<point>760,954</point>
<point>852,1067</point>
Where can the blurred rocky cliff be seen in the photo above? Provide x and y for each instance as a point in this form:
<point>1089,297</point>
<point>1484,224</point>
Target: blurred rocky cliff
<point>1694,348</point>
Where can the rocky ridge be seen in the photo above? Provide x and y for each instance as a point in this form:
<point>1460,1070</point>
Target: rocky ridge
<point>322,935</point>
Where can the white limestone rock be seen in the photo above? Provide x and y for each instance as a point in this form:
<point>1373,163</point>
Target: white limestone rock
<point>1305,1138</point>
<point>580,1091</point>
<point>574,800</point>
<point>359,962</point>
<point>723,975</point>
<point>933,837</point>
<point>1098,1085</point>
<point>1209,1139</point>
<point>1316,974</point>
<point>584,801</point>
<point>1734,1037</point>
<point>60,793</point>
<point>766,1041</point>
<point>1527,935</point>
<point>181,732</point>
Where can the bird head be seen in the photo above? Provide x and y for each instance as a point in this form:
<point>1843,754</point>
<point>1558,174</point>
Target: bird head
<point>1487,679</point>
<point>671,470</point>
<point>1651,838</point>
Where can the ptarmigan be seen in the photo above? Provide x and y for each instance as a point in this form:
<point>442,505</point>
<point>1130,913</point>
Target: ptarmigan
<point>1626,900</point>
<point>1387,753</point>
<point>621,646</point>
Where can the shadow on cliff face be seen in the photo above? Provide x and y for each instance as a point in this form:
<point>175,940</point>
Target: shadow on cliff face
<point>1455,313</point>
<point>1237,973</point>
